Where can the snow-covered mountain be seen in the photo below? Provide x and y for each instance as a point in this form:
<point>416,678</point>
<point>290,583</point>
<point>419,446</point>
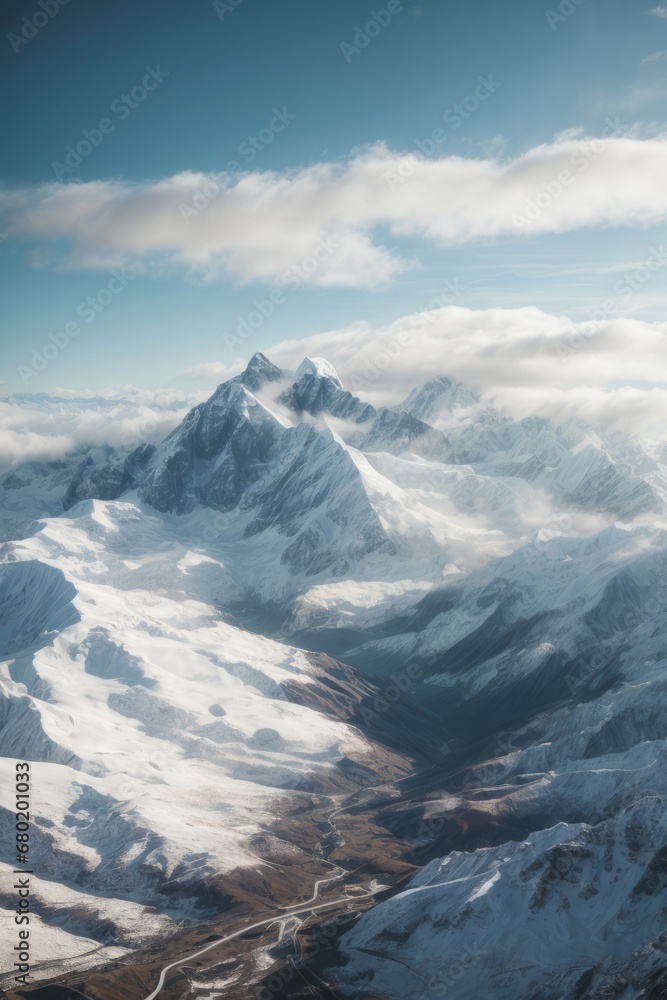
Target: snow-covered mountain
<point>199,638</point>
<point>550,677</point>
<point>438,398</point>
<point>165,740</point>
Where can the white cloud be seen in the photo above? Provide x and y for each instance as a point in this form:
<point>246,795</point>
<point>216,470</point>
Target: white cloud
<point>495,146</point>
<point>274,226</point>
<point>655,57</point>
<point>525,360</point>
<point>659,11</point>
<point>50,425</point>
<point>30,446</point>
<point>636,96</point>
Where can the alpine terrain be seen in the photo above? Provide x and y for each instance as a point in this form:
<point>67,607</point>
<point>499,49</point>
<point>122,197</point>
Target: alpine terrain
<point>327,699</point>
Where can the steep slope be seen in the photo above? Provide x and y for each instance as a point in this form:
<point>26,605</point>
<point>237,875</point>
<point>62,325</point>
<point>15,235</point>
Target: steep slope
<point>437,399</point>
<point>571,462</point>
<point>554,916</point>
<point>163,740</point>
<point>549,672</point>
<point>317,390</point>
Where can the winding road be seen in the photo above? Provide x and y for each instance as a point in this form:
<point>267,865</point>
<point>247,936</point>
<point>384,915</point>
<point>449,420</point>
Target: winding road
<point>288,911</point>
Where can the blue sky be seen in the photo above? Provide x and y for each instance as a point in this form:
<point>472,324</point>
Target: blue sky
<point>219,77</point>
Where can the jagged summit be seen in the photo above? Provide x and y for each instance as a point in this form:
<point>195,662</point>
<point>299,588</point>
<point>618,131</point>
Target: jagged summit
<point>437,396</point>
<point>317,390</point>
<point>260,370</point>
<point>318,368</point>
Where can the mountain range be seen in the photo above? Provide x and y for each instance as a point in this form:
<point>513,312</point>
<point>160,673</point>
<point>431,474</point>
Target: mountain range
<point>306,638</point>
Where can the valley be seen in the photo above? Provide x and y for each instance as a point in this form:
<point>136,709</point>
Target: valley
<point>322,698</point>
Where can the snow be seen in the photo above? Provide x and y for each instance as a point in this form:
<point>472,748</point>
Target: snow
<point>521,563</point>
<point>554,903</point>
<point>319,368</point>
<point>120,681</point>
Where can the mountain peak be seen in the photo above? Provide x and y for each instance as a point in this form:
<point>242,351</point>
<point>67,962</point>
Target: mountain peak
<point>318,368</point>
<point>438,396</point>
<point>260,370</point>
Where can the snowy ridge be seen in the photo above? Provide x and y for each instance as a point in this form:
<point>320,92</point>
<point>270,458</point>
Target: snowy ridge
<point>163,737</point>
<point>517,567</point>
<point>437,398</point>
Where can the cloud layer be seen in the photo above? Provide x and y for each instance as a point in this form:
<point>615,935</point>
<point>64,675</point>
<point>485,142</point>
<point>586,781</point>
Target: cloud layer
<point>526,361</point>
<point>331,224</point>
<point>48,426</point>
<point>607,374</point>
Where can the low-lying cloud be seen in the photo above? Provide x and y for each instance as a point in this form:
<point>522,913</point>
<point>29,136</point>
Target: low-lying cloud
<point>525,361</point>
<point>48,426</point>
